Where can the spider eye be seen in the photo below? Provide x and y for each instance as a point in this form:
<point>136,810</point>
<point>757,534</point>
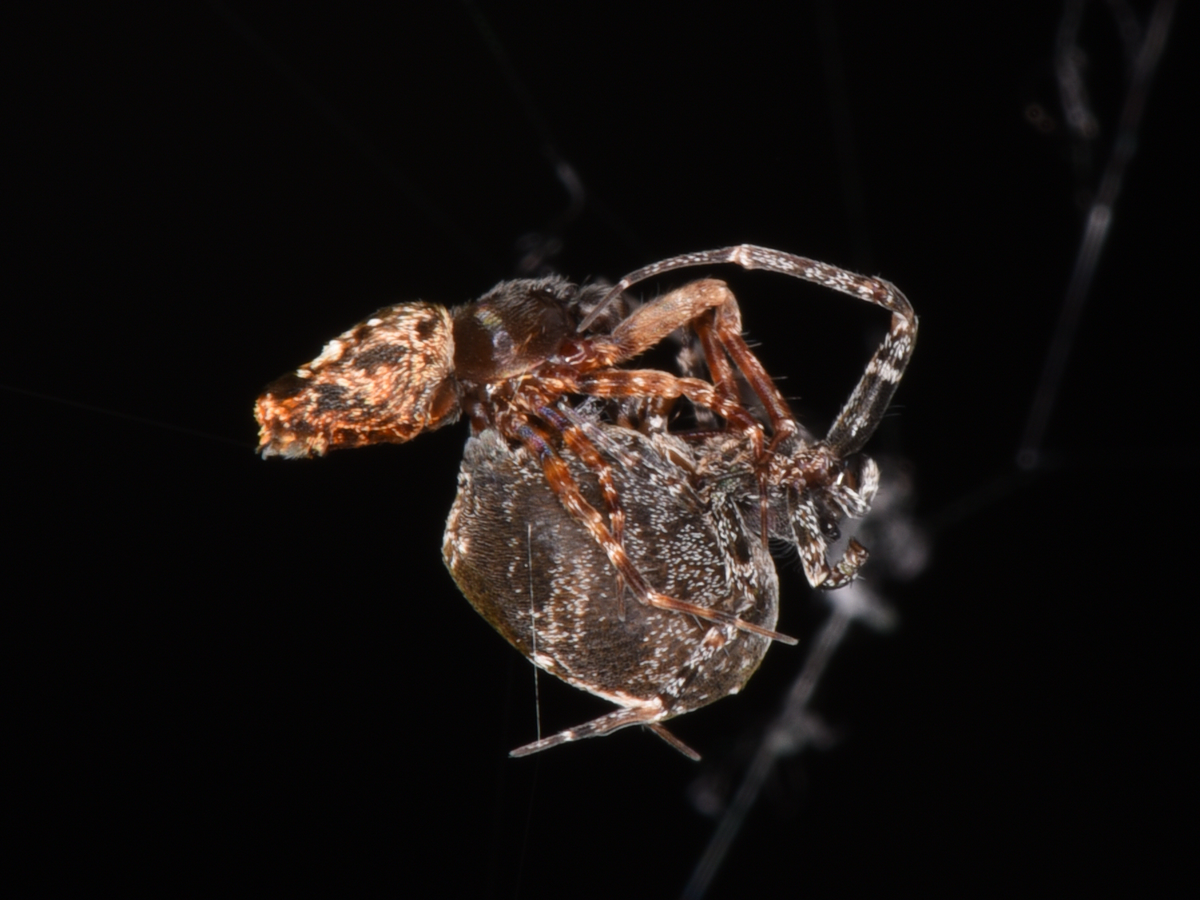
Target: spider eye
<point>830,529</point>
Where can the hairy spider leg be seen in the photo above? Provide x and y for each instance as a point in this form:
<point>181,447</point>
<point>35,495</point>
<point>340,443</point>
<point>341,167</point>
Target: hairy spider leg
<point>867,404</point>
<point>648,715</point>
<point>721,341</point>
<point>579,444</point>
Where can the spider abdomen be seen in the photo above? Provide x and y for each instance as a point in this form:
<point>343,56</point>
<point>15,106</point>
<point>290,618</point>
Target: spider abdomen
<point>538,576</point>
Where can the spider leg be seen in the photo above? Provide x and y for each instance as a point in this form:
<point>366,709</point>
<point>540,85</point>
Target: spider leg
<point>867,404</point>
<point>709,306</point>
<point>812,549</point>
<point>579,443</point>
<point>720,334</point>
<point>674,741</point>
<point>865,408</point>
<point>559,477</point>
<point>617,383</point>
<point>691,362</point>
<point>650,324</point>
<point>648,715</point>
<point>672,468</point>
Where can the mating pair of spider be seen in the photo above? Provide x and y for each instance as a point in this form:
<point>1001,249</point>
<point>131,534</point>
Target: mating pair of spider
<point>626,559</point>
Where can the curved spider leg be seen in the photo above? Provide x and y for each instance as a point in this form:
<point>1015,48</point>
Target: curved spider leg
<point>813,548</point>
<point>650,324</point>
<point>867,404</point>
<point>559,477</point>
<point>710,308</point>
<point>721,337</point>
<point>859,416</point>
<point>719,370</point>
<point>716,319</point>
<point>864,409</point>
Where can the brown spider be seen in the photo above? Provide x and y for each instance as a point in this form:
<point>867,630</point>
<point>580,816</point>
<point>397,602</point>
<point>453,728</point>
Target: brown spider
<point>508,358</point>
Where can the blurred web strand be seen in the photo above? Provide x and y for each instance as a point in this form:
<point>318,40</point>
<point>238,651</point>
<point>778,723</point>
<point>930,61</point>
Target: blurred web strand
<point>1099,217</point>
<point>537,697</point>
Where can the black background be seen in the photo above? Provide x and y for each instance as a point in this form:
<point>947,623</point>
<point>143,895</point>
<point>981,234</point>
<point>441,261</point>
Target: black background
<point>253,677</point>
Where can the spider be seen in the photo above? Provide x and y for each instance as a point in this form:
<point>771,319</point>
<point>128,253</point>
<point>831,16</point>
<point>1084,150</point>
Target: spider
<point>509,358</point>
